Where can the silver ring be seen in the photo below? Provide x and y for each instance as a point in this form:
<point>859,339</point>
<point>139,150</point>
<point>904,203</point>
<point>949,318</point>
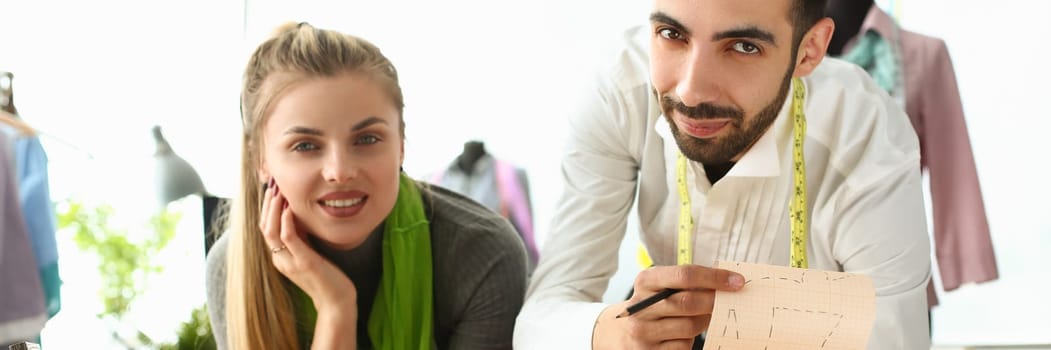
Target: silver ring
<point>278,249</point>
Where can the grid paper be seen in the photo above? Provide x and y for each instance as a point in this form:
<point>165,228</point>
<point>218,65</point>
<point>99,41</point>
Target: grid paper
<point>788,308</point>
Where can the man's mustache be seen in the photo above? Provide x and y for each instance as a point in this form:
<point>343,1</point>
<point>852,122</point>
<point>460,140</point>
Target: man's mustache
<point>701,111</point>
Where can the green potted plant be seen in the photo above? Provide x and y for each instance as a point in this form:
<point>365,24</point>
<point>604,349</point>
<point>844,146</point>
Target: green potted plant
<point>124,264</point>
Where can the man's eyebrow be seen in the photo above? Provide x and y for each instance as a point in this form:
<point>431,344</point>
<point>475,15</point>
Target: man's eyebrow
<point>661,17</point>
<point>749,32</point>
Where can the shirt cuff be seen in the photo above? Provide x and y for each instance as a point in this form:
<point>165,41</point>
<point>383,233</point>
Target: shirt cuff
<point>564,325</point>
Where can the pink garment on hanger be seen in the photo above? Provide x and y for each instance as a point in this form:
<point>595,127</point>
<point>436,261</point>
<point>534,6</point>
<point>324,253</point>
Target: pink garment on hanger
<point>962,243</point>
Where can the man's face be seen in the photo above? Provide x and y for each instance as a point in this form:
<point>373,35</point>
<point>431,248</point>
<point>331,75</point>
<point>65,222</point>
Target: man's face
<point>721,70</point>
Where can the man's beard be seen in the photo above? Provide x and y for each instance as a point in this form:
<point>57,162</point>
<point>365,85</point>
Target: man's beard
<point>722,150</point>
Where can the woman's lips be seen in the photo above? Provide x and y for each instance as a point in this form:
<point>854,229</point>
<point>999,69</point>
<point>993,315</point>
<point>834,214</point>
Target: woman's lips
<point>343,204</point>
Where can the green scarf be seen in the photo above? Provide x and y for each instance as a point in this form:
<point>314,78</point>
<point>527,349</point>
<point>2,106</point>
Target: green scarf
<point>875,54</point>
<point>403,312</point>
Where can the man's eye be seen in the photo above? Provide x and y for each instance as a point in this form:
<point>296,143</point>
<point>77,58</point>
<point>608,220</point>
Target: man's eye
<point>368,140</point>
<point>669,34</point>
<point>304,146</point>
<point>746,48</point>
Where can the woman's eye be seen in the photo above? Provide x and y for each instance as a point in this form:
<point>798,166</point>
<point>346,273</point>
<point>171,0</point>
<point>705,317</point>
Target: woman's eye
<point>746,48</point>
<point>669,34</point>
<point>304,147</point>
<point>368,140</point>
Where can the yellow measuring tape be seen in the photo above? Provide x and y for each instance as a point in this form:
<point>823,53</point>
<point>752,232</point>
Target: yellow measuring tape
<point>685,246</point>
<point>797,207</point>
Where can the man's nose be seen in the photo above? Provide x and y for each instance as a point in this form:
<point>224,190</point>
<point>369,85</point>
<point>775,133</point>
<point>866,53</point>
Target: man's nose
<point>697,80</point>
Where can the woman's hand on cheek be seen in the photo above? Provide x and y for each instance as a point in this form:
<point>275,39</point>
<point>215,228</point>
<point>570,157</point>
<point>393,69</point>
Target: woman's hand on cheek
<point>326,285</point>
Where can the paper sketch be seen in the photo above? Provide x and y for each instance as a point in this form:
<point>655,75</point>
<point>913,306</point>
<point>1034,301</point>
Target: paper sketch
<point>787,308</point>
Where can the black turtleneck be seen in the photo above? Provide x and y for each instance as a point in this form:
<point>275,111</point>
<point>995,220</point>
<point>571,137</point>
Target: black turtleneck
<point>715,172</point>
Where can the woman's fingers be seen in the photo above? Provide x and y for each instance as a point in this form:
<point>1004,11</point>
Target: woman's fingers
<point>267,194</point>
<point>270,219</point>
<point>290,238</point>
<point>296,259</point>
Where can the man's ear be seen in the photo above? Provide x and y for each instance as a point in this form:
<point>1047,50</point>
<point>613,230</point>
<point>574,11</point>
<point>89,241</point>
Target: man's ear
<point>813,47</point>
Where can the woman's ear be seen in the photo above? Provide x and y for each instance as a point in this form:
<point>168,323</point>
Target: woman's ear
<point>813,47</point>
<point>263,174</point>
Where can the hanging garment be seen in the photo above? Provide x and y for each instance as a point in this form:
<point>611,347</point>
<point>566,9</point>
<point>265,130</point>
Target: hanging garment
<point>39,212</point>
<point>878,57</point>
<point>502,187</point>
<point>926,87</point>
<point>22,309</point>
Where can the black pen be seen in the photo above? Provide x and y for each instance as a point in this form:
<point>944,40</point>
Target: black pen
<point>645,303</point>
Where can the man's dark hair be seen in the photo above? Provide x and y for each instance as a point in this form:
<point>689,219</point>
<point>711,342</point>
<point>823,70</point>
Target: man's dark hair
<point>804,14</point>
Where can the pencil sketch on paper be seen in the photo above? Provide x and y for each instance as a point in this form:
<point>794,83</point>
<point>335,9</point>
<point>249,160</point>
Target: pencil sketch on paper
<point>789,308</point>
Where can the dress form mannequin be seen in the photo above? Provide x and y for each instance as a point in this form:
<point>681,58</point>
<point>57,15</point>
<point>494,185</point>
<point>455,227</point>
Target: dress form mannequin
<point>494,183</point>
<point>848,15</point>
<point>472,151</point>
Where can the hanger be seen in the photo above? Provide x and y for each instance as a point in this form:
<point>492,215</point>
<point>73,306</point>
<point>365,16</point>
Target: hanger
<point>25,129</point>
<point>17,123</point>
<point>9,115</point>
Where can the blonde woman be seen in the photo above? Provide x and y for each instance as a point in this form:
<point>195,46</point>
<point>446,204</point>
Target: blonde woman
<point>331,245</point>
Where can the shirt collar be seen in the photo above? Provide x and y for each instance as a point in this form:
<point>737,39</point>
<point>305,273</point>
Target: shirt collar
<point>764,158</point>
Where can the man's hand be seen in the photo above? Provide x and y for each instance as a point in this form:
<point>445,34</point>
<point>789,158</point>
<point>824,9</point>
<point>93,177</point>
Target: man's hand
<point>671,323</point>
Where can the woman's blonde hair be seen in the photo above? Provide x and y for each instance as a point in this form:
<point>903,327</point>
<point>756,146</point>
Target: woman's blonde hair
<point>259,302</point>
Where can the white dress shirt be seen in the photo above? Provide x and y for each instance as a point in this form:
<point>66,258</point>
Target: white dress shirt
<point>864,195</point>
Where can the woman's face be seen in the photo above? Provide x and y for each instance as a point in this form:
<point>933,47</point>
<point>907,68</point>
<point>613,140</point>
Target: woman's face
<point>333,147</point>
